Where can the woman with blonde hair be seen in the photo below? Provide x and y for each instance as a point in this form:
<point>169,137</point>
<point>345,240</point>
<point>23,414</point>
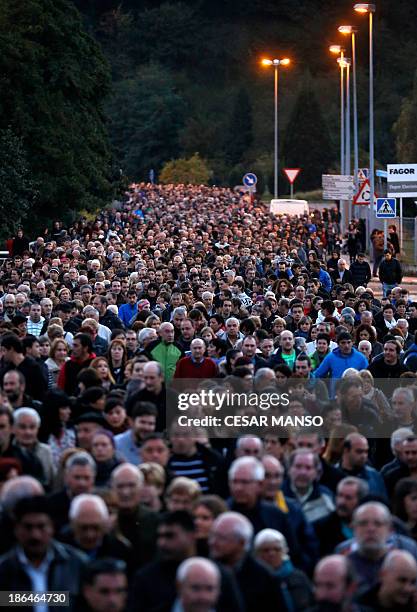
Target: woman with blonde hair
<point>101,365</point>
<point>374,395</point>
<point>58,355</point>
<point>182,494</point>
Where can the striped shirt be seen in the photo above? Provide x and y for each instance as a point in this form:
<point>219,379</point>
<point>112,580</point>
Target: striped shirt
<point>191,467</point>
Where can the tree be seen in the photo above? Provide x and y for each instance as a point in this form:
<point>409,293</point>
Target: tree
<point>17,193</point>
<point>307,143</point>
<point>240,136</point>
<point>53,80</point>
<point>405,128</point>
<point>192,171</point>
<point>146,116</point>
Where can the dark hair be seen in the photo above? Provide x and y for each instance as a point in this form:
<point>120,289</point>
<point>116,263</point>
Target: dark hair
<point>89,377</point>
<point>11,341</point>
<point>367,328</point>
<point>106,565</point>
<point>323,336</point>
<point>85,341</point>
<point>182,518</point>
<point>28,341</point>
<point>144,408</point>
<point>38,504</point>
<point>51,422</point>
<point>154,436</point>
<point>404,487</point>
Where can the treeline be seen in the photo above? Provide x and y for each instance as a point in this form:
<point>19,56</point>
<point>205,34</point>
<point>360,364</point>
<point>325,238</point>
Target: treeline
<point>96,92</point>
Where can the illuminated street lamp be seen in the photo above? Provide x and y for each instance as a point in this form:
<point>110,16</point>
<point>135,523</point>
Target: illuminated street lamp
<point>276,63</point>
<point>365,8</point>
<point>339,50</point>
<point>351,30</point>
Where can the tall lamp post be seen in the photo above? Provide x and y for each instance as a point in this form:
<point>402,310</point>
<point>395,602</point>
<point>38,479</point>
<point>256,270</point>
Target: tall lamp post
<point>348,29</point>
<point>339,50</point>
<point>364,8</point>
<point>344,63</point>
<point>276,63</point>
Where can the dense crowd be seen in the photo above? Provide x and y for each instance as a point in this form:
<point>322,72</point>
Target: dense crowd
<point>104,497</point>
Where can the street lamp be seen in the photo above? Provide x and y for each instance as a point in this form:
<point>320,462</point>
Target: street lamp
<point>364,8</point>
<point>276,63</point>
<point>344,64</point>
<point>339,50</point>
<point>348,29</point>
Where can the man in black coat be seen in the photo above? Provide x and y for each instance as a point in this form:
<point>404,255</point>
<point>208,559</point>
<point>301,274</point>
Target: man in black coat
<point>341,275</point>
<point>229,542</point>
<point>361,271</point>
<point>153,588</point>
<point>390,272</point>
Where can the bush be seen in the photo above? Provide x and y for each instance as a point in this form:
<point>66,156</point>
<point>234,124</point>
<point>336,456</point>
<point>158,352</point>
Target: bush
<point>192,171</point>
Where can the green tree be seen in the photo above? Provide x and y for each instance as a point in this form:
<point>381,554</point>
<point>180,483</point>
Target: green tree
<point>146,116</point>
<point>405,129</point>
<point>53,79</point>
<point>240,135</point>
<point>307,143</point>
<point>192,171</point>
<point>17,193</point>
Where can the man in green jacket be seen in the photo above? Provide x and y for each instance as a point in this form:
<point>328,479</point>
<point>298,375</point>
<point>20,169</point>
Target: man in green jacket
<point>165,351</point>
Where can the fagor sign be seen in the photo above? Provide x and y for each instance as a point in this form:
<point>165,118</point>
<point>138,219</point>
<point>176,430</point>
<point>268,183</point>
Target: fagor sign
<point>402,180</point>
<point>401,171</point>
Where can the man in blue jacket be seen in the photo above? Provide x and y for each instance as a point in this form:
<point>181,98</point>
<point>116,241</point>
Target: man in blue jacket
<point>354,463</point>
<point>339,360</point>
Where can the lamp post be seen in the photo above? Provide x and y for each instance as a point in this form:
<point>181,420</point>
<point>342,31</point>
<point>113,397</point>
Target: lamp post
<point>276,63</point>
<point>348,29</point>
<point>344,63</point>
<point>339,50</point>
<point>364,8</point>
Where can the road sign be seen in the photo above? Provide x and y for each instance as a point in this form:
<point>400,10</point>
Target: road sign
<point>402,180</point>
<point>250,179</point>
<point>363,174</point>
<point>363,197</point>
<point>291,173</point>
<point>381,173</point>
<point>338,186</point>
<point>386,208</point>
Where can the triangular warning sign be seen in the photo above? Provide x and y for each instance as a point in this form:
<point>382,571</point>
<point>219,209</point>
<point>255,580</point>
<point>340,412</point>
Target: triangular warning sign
<point>386,209</point>
<point>363,197</point>
<point>291,173</point>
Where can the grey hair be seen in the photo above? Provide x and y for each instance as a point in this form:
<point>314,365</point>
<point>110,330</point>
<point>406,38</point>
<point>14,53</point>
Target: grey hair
<point>404,391</point>
<point>242,528</point>
<point>398,436</point>
<point>27,412</point>
<point>201,562</point>
<point>131,468</point>
<point>362,485</point>
<point>263,374</point>
<point>19,488</point>
<point>374,506</point>
<point>79,501</point>
<point>181,310</point>
<point>232,319</point>
<point>256,466</point>
<point>268,536</point>
<point>81,459</point>
<point>403,321</point>
<point>241,440</point>
<point>145,333</point>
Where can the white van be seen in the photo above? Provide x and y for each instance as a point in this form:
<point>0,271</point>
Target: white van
<point>289,207</point>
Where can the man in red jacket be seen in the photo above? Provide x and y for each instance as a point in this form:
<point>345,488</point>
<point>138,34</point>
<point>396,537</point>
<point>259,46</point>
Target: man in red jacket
<point>196,365</point>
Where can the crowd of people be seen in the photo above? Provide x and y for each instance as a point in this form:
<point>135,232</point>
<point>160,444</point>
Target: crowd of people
<point>103,498</point>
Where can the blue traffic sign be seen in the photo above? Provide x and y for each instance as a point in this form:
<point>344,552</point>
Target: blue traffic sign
<point>250,179</point>
<point>386,208</point>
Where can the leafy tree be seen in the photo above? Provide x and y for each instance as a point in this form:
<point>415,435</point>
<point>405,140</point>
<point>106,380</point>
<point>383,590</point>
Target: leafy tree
<point>193,171</point>
<point>17,193</point>
<point>240,136</point>
<point>53,79</point>
<point>146,116</point>
<point>405,128</point>
<point>307,142</point>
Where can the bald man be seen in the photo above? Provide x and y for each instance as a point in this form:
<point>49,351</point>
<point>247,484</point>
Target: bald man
<point>333,583</point>
<point>396,588</point>
<point>198,585</point>
<point>165,350</point>
<point>354,463</point>
<point>196,365</point>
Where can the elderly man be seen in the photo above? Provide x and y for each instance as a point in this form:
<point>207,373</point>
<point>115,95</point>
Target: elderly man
<point>198,585</point>
<point>246,476</point>
<point>249,446</point>
<point>396,588</point>
<point>407,465</point>
<point>26,429</point>
<point>230,541</point>
<point>196,365</point>
<point>232,334</point>
<point>334,584</point>
<point>301,485</point>
<point>136,523</point>
<point>89,530</point>
<point>165,350</point>
<point>79,476</point>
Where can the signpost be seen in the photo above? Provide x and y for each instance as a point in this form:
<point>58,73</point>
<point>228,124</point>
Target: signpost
<point>338,187</point>
<point>291,174</point>
<point>386,208</point>
<point>249,180</point>
<point>402,183</point>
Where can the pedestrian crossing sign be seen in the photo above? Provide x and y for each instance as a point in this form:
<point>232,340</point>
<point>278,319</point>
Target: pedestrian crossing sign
<point>386,208</point>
